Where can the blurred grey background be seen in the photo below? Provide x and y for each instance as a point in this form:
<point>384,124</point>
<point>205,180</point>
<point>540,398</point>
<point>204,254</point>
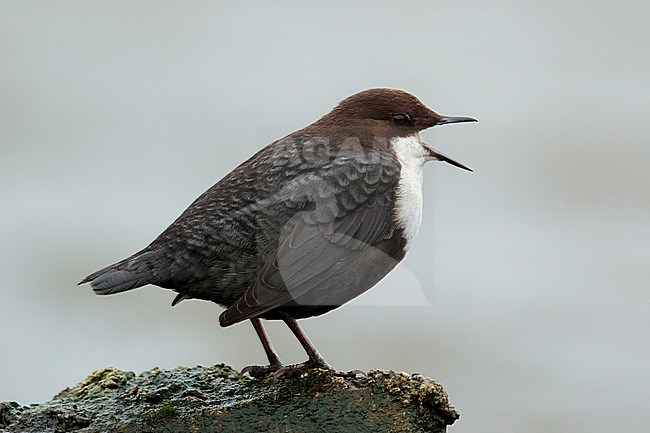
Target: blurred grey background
<point>528,283</point>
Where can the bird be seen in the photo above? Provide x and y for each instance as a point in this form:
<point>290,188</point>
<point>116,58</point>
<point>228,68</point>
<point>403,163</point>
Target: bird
<point>305,225</point>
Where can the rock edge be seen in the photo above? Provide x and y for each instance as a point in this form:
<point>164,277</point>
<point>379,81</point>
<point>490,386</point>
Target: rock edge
<point>219,399</point>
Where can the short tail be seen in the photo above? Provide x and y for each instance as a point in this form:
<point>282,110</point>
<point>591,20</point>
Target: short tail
<point>131,273</point>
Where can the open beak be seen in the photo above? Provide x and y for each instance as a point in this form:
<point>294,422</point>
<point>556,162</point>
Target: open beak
<point>440,157</point>
<point>444,120</point>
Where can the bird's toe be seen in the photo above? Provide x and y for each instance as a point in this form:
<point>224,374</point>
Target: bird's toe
<point>260,370</point>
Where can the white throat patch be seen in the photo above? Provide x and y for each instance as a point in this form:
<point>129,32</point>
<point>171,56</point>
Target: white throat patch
<point>412,155</point>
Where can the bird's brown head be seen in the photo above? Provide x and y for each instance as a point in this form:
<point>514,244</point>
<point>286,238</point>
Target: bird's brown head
<point>377,117</point>
<point>395,112</point>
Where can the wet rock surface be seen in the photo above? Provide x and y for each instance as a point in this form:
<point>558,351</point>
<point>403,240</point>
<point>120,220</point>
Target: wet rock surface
<point>218,399</point>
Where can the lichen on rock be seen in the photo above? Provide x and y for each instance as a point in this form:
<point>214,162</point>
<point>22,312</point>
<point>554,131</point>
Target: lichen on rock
<point>219,399</point>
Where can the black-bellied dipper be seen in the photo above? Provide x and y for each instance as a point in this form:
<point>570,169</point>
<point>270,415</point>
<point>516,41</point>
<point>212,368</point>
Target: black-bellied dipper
<point>306,224</point>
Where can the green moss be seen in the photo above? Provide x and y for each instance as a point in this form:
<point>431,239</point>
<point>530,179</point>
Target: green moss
<point>167,410</point>
<point>163,413</point>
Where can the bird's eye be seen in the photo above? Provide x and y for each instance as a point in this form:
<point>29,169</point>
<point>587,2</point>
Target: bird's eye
<point>400,119</point>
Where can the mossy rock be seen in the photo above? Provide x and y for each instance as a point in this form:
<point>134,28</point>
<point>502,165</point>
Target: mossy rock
<point>218,399</point>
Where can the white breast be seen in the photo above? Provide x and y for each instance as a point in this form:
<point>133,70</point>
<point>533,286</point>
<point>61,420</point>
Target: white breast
<point>412,155</point>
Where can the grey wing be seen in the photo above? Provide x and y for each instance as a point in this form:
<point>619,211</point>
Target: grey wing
<point>352,207</point>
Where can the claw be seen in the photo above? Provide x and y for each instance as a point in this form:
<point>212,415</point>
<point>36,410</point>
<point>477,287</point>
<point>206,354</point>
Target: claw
<point>258,371</point>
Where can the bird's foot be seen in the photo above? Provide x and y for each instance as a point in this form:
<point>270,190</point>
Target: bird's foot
<point>261,370</point>
<point>294,370</point>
